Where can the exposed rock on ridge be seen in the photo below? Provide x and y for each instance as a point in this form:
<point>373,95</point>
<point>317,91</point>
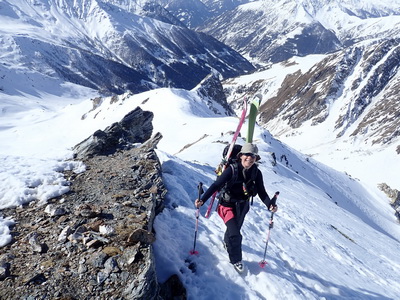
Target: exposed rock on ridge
<point>95,241</point>
<point>211,88</point>
<point>135,127</point>
<point>394,196</point>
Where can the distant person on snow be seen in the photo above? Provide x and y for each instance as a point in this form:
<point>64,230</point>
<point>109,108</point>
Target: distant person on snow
<point>237,184</point>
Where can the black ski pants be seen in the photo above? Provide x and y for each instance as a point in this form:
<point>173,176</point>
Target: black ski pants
<point>233,237</point>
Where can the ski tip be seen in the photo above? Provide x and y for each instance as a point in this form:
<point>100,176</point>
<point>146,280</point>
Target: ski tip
<point>263,263</point>
<point>259,96</point>
<point>193,252</point>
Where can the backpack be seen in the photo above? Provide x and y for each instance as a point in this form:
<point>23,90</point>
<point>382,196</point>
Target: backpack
<point>226,162</point>
<point>232,162</point>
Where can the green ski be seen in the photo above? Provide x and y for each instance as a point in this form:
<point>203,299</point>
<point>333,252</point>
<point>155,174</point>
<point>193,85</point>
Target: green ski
<point>254,106</point>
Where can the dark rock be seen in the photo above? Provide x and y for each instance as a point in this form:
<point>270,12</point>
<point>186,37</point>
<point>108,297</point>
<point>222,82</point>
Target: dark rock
<point>141,235</point>
<point>37,279</point>
<point>135,127</point>
<point>173,289</point>
<point>212,89</point>
<point>394,196</point>
<point>4,266</point>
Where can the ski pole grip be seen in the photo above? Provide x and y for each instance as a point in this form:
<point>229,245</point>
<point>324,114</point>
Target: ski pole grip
<point>273,199</point>
<point>200,190</point>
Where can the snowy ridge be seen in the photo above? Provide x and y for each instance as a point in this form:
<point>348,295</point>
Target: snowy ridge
<point>315,230</point>
<point>318,248</point>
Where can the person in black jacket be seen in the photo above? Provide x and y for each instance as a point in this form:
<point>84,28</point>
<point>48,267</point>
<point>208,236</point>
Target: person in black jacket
<point>237,184</point>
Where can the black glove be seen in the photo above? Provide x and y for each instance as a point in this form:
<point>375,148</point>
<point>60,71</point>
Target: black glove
<point>274,198</point>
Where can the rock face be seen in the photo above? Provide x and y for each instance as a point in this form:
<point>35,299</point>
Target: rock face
<point>135,127</point>
<point>394,196</point>
<point>95,241</point>
<point>211,88</point>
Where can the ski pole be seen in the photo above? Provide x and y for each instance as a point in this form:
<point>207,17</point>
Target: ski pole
<point>271,225</point>
<point>200,191</point>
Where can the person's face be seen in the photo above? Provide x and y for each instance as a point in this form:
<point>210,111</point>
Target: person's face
<point>247,159</point>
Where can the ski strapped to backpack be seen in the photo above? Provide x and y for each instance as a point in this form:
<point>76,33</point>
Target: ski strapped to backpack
<point>254,106</point>
<point>229,153</point>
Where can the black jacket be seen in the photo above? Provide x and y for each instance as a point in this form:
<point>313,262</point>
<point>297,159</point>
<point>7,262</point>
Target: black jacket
<point>236,190</point>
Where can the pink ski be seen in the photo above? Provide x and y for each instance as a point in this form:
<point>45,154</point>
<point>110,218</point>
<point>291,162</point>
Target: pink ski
<point>228,155</point>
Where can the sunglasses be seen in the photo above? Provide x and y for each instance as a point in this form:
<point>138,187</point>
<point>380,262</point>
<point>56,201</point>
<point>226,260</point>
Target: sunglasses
<point>249,154</point>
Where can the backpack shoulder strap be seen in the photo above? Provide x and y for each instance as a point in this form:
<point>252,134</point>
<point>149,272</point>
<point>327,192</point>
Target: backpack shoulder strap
<point>254,173</point>
<point>234,177</point>
<point>251,183</point>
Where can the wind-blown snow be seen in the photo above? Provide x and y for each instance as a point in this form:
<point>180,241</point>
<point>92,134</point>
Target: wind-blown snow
<point>332,238</point>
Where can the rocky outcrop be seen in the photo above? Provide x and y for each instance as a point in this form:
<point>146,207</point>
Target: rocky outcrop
<point>394,196</point>
<point>135,127</point>
<point>95,242</point>
<point>210,88</point>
